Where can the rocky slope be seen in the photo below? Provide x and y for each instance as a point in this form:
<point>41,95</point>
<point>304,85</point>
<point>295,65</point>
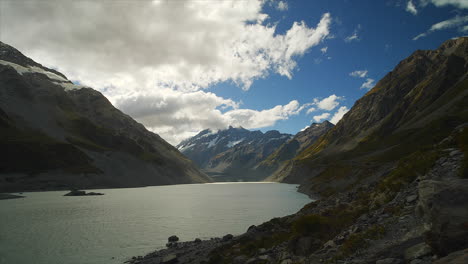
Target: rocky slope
<point>232,154</point>
<point>293,147</point>
<point>57,135</point>
<point>391,178</point>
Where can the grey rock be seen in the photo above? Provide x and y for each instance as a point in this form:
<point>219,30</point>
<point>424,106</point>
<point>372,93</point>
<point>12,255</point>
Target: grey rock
<point>197,240</point>
<point>329,244</point>
<point>286,261</point>
<point>227,237</point>
<point>417,261</point>
<point>417,251</point>
<point>457,257</point>
<point>240,259</point>
<point>411,198</point>
<point>169,259</point>
<point>389,261</point>
<point>173,238</point>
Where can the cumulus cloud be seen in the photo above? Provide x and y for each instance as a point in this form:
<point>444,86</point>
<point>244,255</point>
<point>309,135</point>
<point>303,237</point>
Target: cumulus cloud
<point>153,59</point>
<point>354,36</point>
<point>368,84</point>
<point>310,110</point>
<point>176,115</point>
<point>185,44</point>
<point>359,74</point>
<point>321,117</point>
<point>410,7</point>
<point>328,103</point>
<point>339,114</point>
<point>439,3</point>
<point>282,6</point>
<point>456,21</point>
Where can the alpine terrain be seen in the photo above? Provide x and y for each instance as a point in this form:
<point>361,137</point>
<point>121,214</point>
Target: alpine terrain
<point>391,179</point>
<point>58,135</point>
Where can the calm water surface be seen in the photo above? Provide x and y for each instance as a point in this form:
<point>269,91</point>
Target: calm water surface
<point>46,227</point>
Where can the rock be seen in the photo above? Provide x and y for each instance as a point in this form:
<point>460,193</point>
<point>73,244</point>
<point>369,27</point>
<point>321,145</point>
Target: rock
<point>454,153</point>
<point>388,261</point>
<point>416,261</point>
<point>173,238</point>
<point>240,259</point>
<point>329,244</point>
<point>81,193</point>
<point>411,198</point>
<point>303,246</point>
<point>287,261</point>
<point>262,251</point>
<point>169,259</point>
<point>5,196</point>
<point>197,240</point>
<point>417,251</point>
<point>251,228</point>
<point>457,257</point>
<point>227,237</point>
<point>442,206</point>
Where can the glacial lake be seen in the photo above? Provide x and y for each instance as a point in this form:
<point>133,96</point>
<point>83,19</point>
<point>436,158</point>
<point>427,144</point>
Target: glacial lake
<point>49,228</point>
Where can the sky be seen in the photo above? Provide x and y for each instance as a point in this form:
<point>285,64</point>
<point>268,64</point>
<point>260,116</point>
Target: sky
<point>182,66</point>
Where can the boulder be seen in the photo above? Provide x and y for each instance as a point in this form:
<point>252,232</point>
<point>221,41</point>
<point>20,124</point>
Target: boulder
<point>169,259</point>
<point>443,207</point>
<point>411,198</point>
<point>197,240</point>
<point>240,259</point>
<point>417,251</point>
<point>227,237</point>
<point>329,244</point>
<point>173,238</point>
<point>389,261</point>
<point>303,246</point>
<point>457,257</point>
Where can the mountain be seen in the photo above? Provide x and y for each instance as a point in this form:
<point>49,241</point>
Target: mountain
<point>58,135</point>
<point>412,108</point>
<point>391,178</point>
<point>291,148</point>
<point>232,154</point>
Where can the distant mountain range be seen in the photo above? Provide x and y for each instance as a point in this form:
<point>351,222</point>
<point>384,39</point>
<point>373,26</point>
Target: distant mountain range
<point>237,154</point>
<point>58,135</point>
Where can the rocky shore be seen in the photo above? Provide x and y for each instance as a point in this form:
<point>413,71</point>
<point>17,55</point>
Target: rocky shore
<point>425,221</point>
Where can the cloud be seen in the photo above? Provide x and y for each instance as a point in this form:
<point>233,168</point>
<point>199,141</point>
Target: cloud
<point>176,115</point>
<point>446,24</point>
<point>410,7</point>
<point>439,3</point>
<point>339,114</point>
<point>328,103</point>
<point>359,74</point>
<point>323,116</point>
<point>310,110</point>
<point>324,50</point>
<point>354,36</point>
<point>153,59</point>
<point>186,44</point>
<point>282,6</point>
<point>368,84</point>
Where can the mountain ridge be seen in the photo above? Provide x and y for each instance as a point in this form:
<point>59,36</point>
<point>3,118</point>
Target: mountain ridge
<point>58,135</point>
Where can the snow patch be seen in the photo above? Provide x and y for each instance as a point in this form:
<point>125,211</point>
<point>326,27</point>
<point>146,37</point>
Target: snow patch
<point>33,69</point>
<point>213,142</point>
<point>231,144</point>
<point>185,147</point>
<point>69,86</point>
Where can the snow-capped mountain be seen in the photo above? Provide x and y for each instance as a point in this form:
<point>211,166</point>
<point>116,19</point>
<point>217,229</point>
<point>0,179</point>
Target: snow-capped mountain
<point>231,154</point>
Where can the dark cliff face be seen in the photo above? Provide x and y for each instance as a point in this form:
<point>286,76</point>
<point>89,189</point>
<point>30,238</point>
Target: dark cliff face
<point>413,107</point>
<point>291,148</point>
<point>57,135</point>
<point>232,154</point>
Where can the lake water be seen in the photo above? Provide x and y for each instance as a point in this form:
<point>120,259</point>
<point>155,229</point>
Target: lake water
<point>49,228</point>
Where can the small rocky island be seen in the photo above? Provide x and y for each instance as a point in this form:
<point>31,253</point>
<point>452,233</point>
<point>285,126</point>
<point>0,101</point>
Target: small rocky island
<point>82,193</point>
